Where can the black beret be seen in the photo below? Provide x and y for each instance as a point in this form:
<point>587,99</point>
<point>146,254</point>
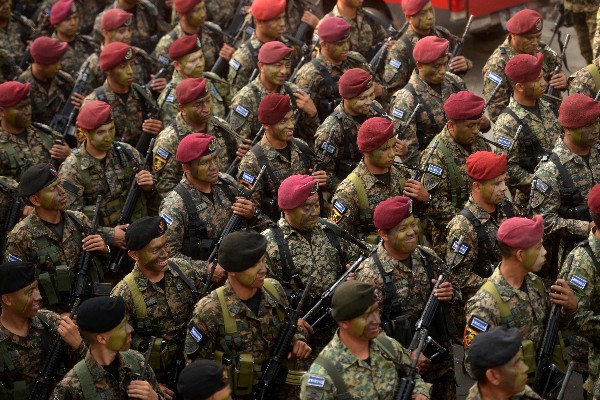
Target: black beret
<point>241,250</point>
<point>495,347</point>
<point>200,380</point>
<point>142,231</point>
<point>101,314</point>
<point>15,276</point>
<point>36,178</point>
<point>351,299</point>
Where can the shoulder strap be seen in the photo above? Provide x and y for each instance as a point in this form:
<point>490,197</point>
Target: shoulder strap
<point>228,320</point>
<point>258,151</point>
<point>139,304</point>
<point>455,178</point>
<point>336,376</point>
<point>305,151</point>
<point>329,82</point>
<point>361,192</point>
<point>586,245</point>
<point>76,220</point>
<point>335,242</point>
<point>101,94</point>
<point>593,69</point>
<point>409,50</point>
<point>384,343</point>
<point>190,285</point>
<point>490,287</point>
<point>565,176</point>
<point>482,238</point>
<point>285,256</point>
<point>270,288</point>
<point>391,303</point>
<point>85,380</point>
<point>196,229</point>
<point>253,51</point>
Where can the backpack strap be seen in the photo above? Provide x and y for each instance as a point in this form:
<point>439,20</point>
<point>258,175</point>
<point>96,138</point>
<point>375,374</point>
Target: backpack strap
<point>586,245</point>
<point>505,315</point>
<point>188,283</point>
<point>139,305</point>
<point>287,262</point>
<point>336,376</point>
<point>85,380</point>
<point>482,238</point>
<point>335,242</point>
<point>361,192</point>
<point>391,302</point>
<point>593,70</point>
<point>455,178</point>
<point>101,94</point>
<point>270,289</point>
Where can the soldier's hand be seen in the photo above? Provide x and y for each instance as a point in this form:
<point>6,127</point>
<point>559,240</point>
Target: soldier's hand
<point>243,149</point>
<point>400,148</point>
<point>219,275</point>
<point>60,151</point>
<point>300,350</point>
<point>310,19</point>
<point>144,180</point>
<point>94,243</point>
<point>389,45</point>
<point>378,89</point>
<point>444,292</point>
<point>485,124</point>
<point>415,190</point>
<point>169,394</point>
<point>303,324</point>
<point>562,295</point>
<point>158,84</point>
<point>141,390</point>
<point>321,178</point>
<point>305,103</point>
<point>459,64</point>
<point>243,207</point>
<point>559,81</point>
<point>77,100</point>
<point>119,236</point>
<point>226,51</point>
<point>423,364</point>
<point>68,332</point>
<point>152,126</point>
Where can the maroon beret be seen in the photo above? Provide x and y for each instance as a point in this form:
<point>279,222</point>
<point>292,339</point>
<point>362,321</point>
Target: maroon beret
<point>12,93</point>
<point>484,165</point>
<point>333,29</point>
<point>93,115</point>
<point>578,110</point>
<point>525,22</point>
<point>373,133</point>
<point>195,145</point>
<point>464,105</point>
<point>183,6</point>
<point>521,233</point>
<point>115,18</point>
<point>353,82</point>
<point>61,11</point>
<point>191,89</point>
<point>114,54</point>
<point>412,7</point>
<point>524,67</point>
<point>47,51</point>
<point>391,212</point>
<point>184,46</point>
<point>273,107</point>
<point>272,52</point>
<point>295,190</point>
<point>265,10</point>
<point>594,199</point>
<point>429,49</point>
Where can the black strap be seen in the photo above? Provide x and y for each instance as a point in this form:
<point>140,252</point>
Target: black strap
<point>422,136</point>
<point>409,50</point>
<point>196,228</point>
<point>287,262</point>
<point>269,178</point>
<point>101,94</point>
<point>570,193</point>
<point>329,83</point>
<point>253,51</point>
<point>349,148</point>
<point>306,153</point>
<point>187,281</point>
<point>532,148</point>
<point>334,241</point>
<point>586,245</point>
<point>391,303</point>
<point>483,240</point>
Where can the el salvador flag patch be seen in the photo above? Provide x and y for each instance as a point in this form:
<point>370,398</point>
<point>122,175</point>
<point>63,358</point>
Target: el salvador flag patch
<point>316,381</point>
<point>167,219</point>
<point>196,334</point>
<point>395,63</point>
<point>12,258</point>
<point>494,77</point>
<point>170,98</point>
<point>248,178</point>
<point>579,282</point>
<point>504,142</point>
<point>235,64</point>
<point>163,153</point>
<point>479,324</point>
<point>397,113</point>
<point>435,170</point>
<point>242,111</point>
<point>339,206</point>
<point>463,247</point>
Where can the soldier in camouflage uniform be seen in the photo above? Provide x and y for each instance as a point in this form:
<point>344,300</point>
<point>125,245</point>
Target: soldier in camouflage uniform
<point>582,81</point>
<point>221,11</point>
<point>256,303</point>
<point>445,179</point>
<point>525,31</point>
<point>87,9</point>
<point>404,275</point>
<point>431,57</point>
<point>12,34</point>
<point>8,67</point>
<point>540,127</point>
<point>584,24</point>
<point>25,331</point>
<point>8,196</point>
<point>368,365</point>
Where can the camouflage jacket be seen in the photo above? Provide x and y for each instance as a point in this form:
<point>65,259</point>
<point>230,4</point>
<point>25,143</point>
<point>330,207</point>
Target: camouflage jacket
<point>221,11</point>
<point>12,39</point>
<point>527,394</point>
<point>9,70</point>
<point>88,9</point>
<point>77,52</point>
<point>210,47</point>
<point>582,81</point>
<point>6,199</point>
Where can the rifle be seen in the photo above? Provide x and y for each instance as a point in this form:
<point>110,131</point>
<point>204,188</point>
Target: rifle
<point>275,371</point>
<point>144,374</point>
<point>418,174</point>
<point>303,27</point>
<point>565,382</point>
<point>12,217</point>
<point>235,162</point>
<point>496,79</point>
<point>404,128</point>
<point>297,111</point>
<point>165,68</point>
<point>306,56</point>
<point>152,111</point>
<point>344,234</point>
<point>407,384</point>
<point>460,43</point>
<point>34,33</point>
<point>597,96</point>
<point>562,19</point>
<point>221,66</point>
<point>379,56</point>
<point>128,208</point>
<point>552,93</point>
<point>326,150</point>
<point>231,226</point>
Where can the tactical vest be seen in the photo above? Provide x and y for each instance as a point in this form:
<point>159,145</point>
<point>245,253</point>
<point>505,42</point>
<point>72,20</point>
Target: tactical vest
<point>348,154</point>
<point>331,96</point>
<point>15,158</point>
<point>572,203</point>
<point>456,179</point>
<point>101,96</point>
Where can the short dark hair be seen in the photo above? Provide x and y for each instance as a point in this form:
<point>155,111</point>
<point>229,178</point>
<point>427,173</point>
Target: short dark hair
<point>595,218</point>
<point>478,373</point>
<point>505,250</point>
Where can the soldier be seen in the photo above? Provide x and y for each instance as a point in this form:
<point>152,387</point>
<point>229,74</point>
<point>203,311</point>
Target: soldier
<point>584,23</point>
<point>130,111</point>
<point>445,180</point>
<point>538,118</point>
<point>195,115</point>
<point>430,85</point>
<point>358,362</point>
<point>25,330</point>
<point>159,295</point>
<point>583,82</point>
<point>8,197</point>
<point>374,179</point>
<point>498,367</point>
<point>256,302</point>
<point>23,143</point>
<point>87,9</point>
<point>274,67</point>
<point>524,33</point>
<point>204,380</point>
<point>283,154</point>
<point>8,67</point>
<point>404,274</point>
<point>109,367</point>
<point>12,34</point>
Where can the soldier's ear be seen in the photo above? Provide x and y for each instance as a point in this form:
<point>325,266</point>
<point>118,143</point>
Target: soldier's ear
<point>133,255</point>
<point>34,200</point>
<point>494,376</point>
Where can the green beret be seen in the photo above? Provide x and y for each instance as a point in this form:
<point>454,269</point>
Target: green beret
<point>495,347</point>
<point>351,299</point>
<point>101,314</point>
<point>142,231</point>
<point>15,276</point>
<point>200,380</point>
<point>36,178</point>
<point>241,250</point>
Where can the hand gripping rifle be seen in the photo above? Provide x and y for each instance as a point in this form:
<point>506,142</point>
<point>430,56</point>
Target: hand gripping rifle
<point>237,160</point>
<point>152,111</point>
<point>128,208</point>
<point>12,217</point>
<point>552,94</point>
<point>231,226</point>
<point>379,56</point>
<point>460,43</point>
<point>165,68</point>
<point>407,384</point>
<point>231,37</point>
<point>497,79</point>
<point>144,374</point>
<point>303,27</point>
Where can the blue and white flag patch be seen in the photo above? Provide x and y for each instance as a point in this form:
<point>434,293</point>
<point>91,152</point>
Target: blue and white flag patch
<point>494,77</point>
<point>479,324</point>
<point>328,148</point>
<point>235,64</point>
<point>397,113</point>
<point>578,282</point>
<point>339,206</point>
<point>463,248</point>
<point>395,63</point>
<point>541,185</point>
<point>195,332</point>
<point>167,219</point>
<point>242,111</point>
<point>163,153</point>
<point>435,170</point>
<point>246,177</point>
<point>13,258</point>
<point>315,381</point>
<point>504,142</point>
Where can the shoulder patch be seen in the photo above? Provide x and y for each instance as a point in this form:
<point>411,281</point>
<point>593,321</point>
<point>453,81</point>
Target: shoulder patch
<point>464,249</point>
<point>167,219</point>
<point>247,180</point>
<point>235,64</point>
<point>473,328</point>
<point>160,159</point>
<point>576,281</point>
<point>337,211</point>
<point>396,112</point>
<point>479,324</point>
<point>13,258</point>
<point>492,76</point>
<point>541,186</point>
<point>196,333</point>
<point>315,381</point>
<point>242,111</point>
<point>170,98</point>
<point>504,142</point>
<point>395,63</point>
<point>328,148</point>
<point>434,169</point>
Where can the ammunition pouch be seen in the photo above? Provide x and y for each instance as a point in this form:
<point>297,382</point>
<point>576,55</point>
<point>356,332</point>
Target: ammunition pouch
<point>56,287</point>
<point>484,270</point>
<point>197,250</point>
<point>326,107</point>
<point>18,390</point>
<point>343,168</point>
<point>111,211</point>
<point>399,328</point>
<point>529,359</point>
<point>580,212</point>
<point>270,208</point>
<point>365,218</point>
<point>243,372</point>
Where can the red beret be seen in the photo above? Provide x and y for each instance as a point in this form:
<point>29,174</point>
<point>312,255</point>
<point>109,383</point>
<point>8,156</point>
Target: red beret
<point>578,110</point>
<point>115,18</point>
<point>183,6</point>
<point>525,22</point>
<point>594,199</point>
<point>524,67</point>
<point>412,7</point>
<point>195,145</point>
<point>93,115</point>
<point>373,133</point>
<point>273,107</point>
<point>191,89</point>
<point>521,233</point>
<point>353,82</point>
<point>12,93</point>
<point>464,105</point>
<point>114,54</point>
<point>272,52</point>
<point>47,51</point>
<point>391,212</point>
<point>295,190</point>
<point>333,29</point>
<point>61,11</point>
<point>265,10</point>
<point>484,165</point>
<point>184,46</point>
<point>429,49</point>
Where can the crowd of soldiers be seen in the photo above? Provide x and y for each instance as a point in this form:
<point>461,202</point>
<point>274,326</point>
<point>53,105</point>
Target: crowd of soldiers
<point>214,199</point>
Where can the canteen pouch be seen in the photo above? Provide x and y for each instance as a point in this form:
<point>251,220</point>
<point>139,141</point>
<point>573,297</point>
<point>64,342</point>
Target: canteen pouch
<point>243,375</point>
<point>529,357</point>
<point>222,359</point>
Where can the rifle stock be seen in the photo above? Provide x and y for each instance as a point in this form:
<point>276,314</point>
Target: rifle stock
<point>407,384</point>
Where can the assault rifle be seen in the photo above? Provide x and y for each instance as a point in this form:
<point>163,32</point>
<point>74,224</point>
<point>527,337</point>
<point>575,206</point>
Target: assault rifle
<point>165,68</point>
<point>497,79</point>
<point>344,234</point>
<point>325,151</point>
<point>297,110</point>
<point>562,19</point>
<point>404,128</point>
<point>460,43</point>
<point>303,27</point>
<point>379,56</point>
<point>419,172</point>
<point>128,208</point>
<point>552,94</point>
<point>407,384</point>
<point>34,32</point>
<point>504,143</point>
<point>144,374</point>
<point>565,382</point>
<point>152,111</point>
<point>221,66</point>
<point>275,371</point>
<point>234,163</point>
<point>12,217</point>
<point>231,226</point>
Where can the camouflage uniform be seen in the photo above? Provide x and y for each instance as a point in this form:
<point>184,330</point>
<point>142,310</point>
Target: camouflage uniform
<point>582,81</point>
<point>220,11</point>
<point>527,394</point>
<point>376,379</point>
<point>584,24</point>
<point>496,64</point>
<point>9,70</point>
<point>431,118</point>
<point>6,199</point>
<point>12,39</point>
<point>77,52</point>
<point>412,285</point>
<point>523,159</point>
<point>87,9</point>
<point>210,47</point>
